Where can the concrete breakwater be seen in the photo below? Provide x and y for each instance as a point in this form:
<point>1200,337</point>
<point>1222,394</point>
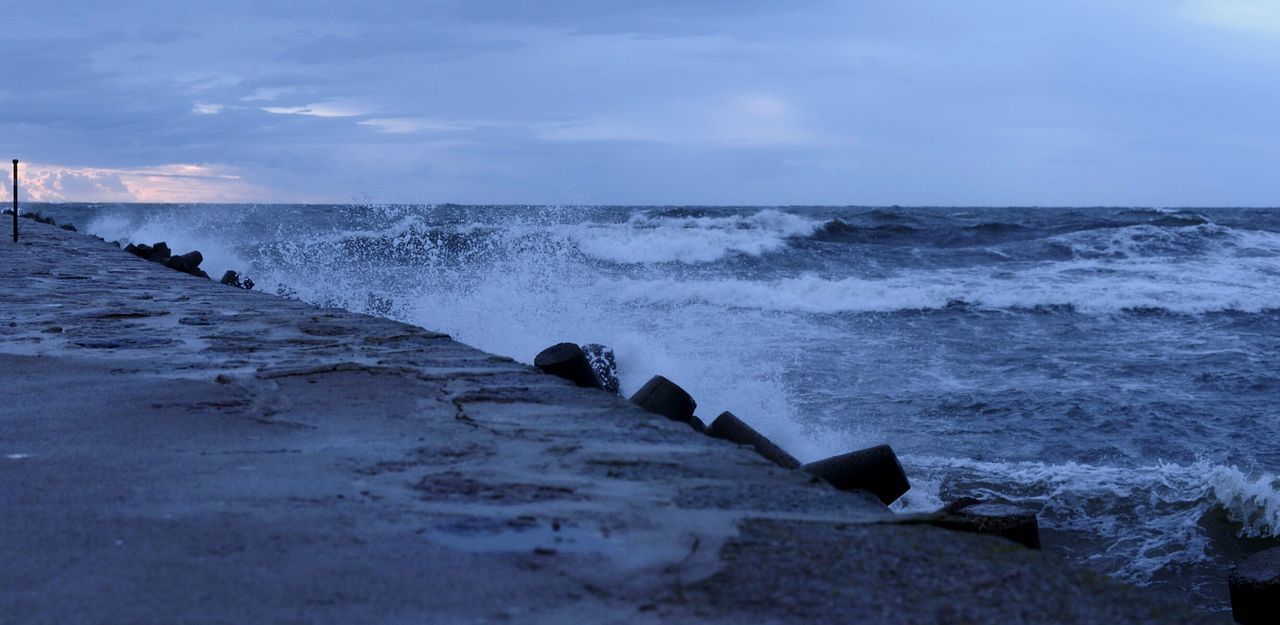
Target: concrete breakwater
<point>177,451</point>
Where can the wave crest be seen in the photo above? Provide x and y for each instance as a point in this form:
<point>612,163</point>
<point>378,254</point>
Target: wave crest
<point>1151,516</point>
<point>648,238</point>
<point>1082,286</point>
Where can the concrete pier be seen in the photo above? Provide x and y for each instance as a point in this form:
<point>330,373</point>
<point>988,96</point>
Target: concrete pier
<point>177,451</point>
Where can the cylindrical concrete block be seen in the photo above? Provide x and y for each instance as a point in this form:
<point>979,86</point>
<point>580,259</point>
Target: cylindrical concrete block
<point>697,425</point>
<point>566,360</point>
<point>604,365</point>
<point>192,260</point>
<point>1255,588</point>
<point>664,397</point>
<point>159,253</point>
<point>1000,519</point>
<point>875,469</point>
<point>729,427</point>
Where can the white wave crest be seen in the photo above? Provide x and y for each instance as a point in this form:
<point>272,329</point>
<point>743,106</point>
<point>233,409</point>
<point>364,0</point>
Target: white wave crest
<point>1151,241</point>
<point>648,239</point>
<point>1254,503</point>
<point>1150,514</point>
<point>1246,285</point>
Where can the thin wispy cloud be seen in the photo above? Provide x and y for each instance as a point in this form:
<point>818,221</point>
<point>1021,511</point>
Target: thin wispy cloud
<point>412,125</point>
<point>1257,16</point>
<point>320,109</point>
<point>164,183</point>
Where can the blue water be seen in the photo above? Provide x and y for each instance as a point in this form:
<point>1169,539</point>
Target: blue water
<point>1116,369</point>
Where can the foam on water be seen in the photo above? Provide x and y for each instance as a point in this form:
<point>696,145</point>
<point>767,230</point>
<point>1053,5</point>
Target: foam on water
<point>182,232</point>
<point>521,289</point>
<point>1087,286</point>
<point>1150,514</point>
<point>1150,241</point>
<point>647,238</point>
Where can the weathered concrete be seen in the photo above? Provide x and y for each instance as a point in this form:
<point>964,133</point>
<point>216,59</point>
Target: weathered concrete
<point>176,451</point>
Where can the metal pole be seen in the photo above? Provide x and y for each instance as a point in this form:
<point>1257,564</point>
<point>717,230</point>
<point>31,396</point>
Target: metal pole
<point>15,200</point>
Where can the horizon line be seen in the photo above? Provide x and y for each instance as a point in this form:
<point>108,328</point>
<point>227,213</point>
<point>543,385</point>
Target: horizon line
<point>710,206</point>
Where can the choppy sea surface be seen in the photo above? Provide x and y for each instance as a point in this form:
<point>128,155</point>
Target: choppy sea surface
<point>1115,369</point>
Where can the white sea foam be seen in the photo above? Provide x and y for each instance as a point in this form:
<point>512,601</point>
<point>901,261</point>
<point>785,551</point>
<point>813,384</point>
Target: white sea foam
<point>1151,514</point>
<point>645,238</point>
<point>1088,286</point>
<point>182,232</point>
<point>1149,241</point>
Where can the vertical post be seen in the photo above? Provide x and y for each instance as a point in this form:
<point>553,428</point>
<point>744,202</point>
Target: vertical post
<point>15,200</point>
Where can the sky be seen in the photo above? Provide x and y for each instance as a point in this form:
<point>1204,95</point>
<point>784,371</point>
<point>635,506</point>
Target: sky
<point>743,102</point>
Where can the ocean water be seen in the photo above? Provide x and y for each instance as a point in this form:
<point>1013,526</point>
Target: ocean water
<point>1115,369</point>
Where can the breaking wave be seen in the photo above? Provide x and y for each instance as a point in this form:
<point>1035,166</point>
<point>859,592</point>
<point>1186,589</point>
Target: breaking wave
<point>1153,515</point>
<point>1086,287</point>
<point>646,238</point>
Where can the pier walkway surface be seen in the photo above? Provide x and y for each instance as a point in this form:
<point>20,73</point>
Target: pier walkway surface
<point>176,451</point>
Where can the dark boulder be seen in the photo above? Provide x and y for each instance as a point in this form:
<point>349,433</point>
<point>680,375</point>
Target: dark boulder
<point>192,260</point>
<point>697,425</point>
<point>232,278</point>
<point>186,263</point>
<point>68,227</point>
<point>958,505</point>
<point>998,519</point>
<point>141,251</point>
<point>159,253</point>
<point>729,427</point>
<point>664,397</point>
<point>604,365</point>
<point>567,360</point>
<point>875,469</point>
<point>1255,588</point>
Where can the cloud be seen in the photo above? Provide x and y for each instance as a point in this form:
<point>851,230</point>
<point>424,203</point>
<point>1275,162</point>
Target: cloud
<point>1258,16</point>
<point>430,43</point>
<point>59,184</point>
<point>205,108</point>
<point>320,109</point>
<point>588,101</point>
<point>175,183</point>
<point>412,125</point>
<point>266,94</point>
<point>742,121</point>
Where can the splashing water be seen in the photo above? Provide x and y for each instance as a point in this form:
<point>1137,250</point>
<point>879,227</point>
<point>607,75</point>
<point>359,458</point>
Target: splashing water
<point>1112,368</point>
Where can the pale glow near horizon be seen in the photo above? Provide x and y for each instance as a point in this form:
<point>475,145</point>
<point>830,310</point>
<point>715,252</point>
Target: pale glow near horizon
<point>171,183</point>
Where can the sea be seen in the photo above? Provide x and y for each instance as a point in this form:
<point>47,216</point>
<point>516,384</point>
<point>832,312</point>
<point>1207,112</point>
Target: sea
<point>1117,370</point>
